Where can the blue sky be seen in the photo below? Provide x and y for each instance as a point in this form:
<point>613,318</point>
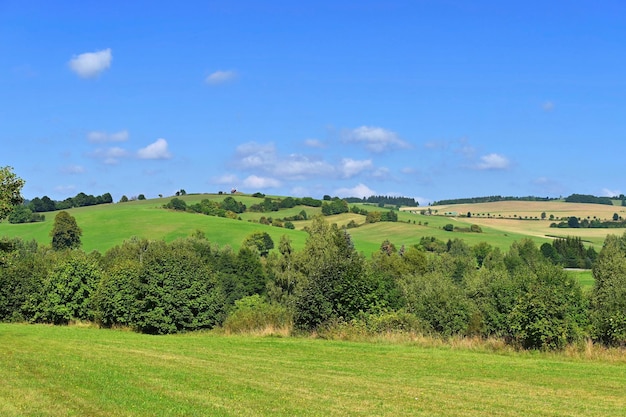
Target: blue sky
<point>425,99</point>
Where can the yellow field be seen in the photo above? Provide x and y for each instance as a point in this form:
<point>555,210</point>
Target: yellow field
<point>506,215</point>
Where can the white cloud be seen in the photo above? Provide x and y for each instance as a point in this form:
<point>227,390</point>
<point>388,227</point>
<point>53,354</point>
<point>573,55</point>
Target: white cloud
<point>110,156</point>
<point>256,182</point>
<point>296,167</point>
<point>227,179</point>
<point>350,167</point>
<point>253,156</point>
<point>314,143</point>
<point>493,161</point>
<point>360,190</point>
<point>376,139</point>
<point>72,169</point>
<point>156,150</point>
<point>91,64</point>
<point>610,193</point>
<point>100,137</point>
<point>382,173</point>
<point>220,77</point>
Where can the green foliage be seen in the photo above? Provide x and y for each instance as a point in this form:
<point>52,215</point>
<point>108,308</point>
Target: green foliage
<point>373,217</point>
<point>10,191</point>
<point>435,299</point>
<point>177,290</point>
<point>67,291</point>
<point>336,285</point>
<point>260,241</point>
<point>114,300</point>
<point>608,300</point>
<point>573,222</point>
<point>65,233</point>
<point>377,216</point>
<point>448,227</point>
<point>230,204</point>
<point>587,198</point>
<point>176,204</point>
<point>551,311</point>
<point>22,214</point>
<point>285,279</point>
<point>335,206</point>
<point>311,202</point>
<point>252,313</point>
<point>432,244</point>
<point>23,269</point>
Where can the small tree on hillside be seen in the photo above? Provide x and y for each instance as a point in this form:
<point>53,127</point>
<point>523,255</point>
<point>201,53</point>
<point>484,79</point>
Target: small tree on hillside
<point>260,241</point>
<point>65,232</point>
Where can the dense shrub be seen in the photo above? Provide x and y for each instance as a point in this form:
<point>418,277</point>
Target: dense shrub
<point>67,291</point>
<point>177,290</point>
<point>252,314</point>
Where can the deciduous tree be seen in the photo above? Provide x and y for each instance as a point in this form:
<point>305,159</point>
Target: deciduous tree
<point>10,191</point>
<point>65,233</point>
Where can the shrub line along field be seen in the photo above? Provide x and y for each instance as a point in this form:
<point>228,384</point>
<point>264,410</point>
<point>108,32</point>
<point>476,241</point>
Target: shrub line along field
<point>66,371</point>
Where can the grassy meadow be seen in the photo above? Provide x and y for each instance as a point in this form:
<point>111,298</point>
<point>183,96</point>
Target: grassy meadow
<point>105,226</point>
<point>505,216</point>
<point>79,371</point>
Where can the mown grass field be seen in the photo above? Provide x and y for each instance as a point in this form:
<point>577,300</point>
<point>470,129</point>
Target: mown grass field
<point>74,371</point>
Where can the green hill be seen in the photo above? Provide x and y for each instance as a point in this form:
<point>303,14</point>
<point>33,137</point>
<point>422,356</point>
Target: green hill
<point>105,226</point>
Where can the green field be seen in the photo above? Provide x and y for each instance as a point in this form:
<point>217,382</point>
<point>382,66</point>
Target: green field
<point>74,371</point>
<point>105,226</point>
<point>584,278</point>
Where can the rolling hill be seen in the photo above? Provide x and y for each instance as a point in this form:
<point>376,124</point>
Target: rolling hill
<point>502,223</point>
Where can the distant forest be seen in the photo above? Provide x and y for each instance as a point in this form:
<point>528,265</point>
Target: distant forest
<point>385,199</point>
<point>489,199</point>
<point>574,198</point>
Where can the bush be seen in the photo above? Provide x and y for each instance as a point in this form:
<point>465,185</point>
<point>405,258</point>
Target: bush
<point>252,314</point>
<point>551,311</point>
<point>115,301</point>
<point>448,227</point>
<point>176,204</point>
<point>67,291</point>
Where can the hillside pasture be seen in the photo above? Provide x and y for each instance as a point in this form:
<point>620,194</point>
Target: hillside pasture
<point>105,226</point>
<point>524,217</point>
<point>51,371</point>
<point>530,209</point>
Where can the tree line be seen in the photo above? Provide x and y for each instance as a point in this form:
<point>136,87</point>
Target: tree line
<point>45,203</point>
<point>385,200</point>
<point>574,198</point>
<point>588,198</point>
<point>231,208</point>
<point>438,288</point>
